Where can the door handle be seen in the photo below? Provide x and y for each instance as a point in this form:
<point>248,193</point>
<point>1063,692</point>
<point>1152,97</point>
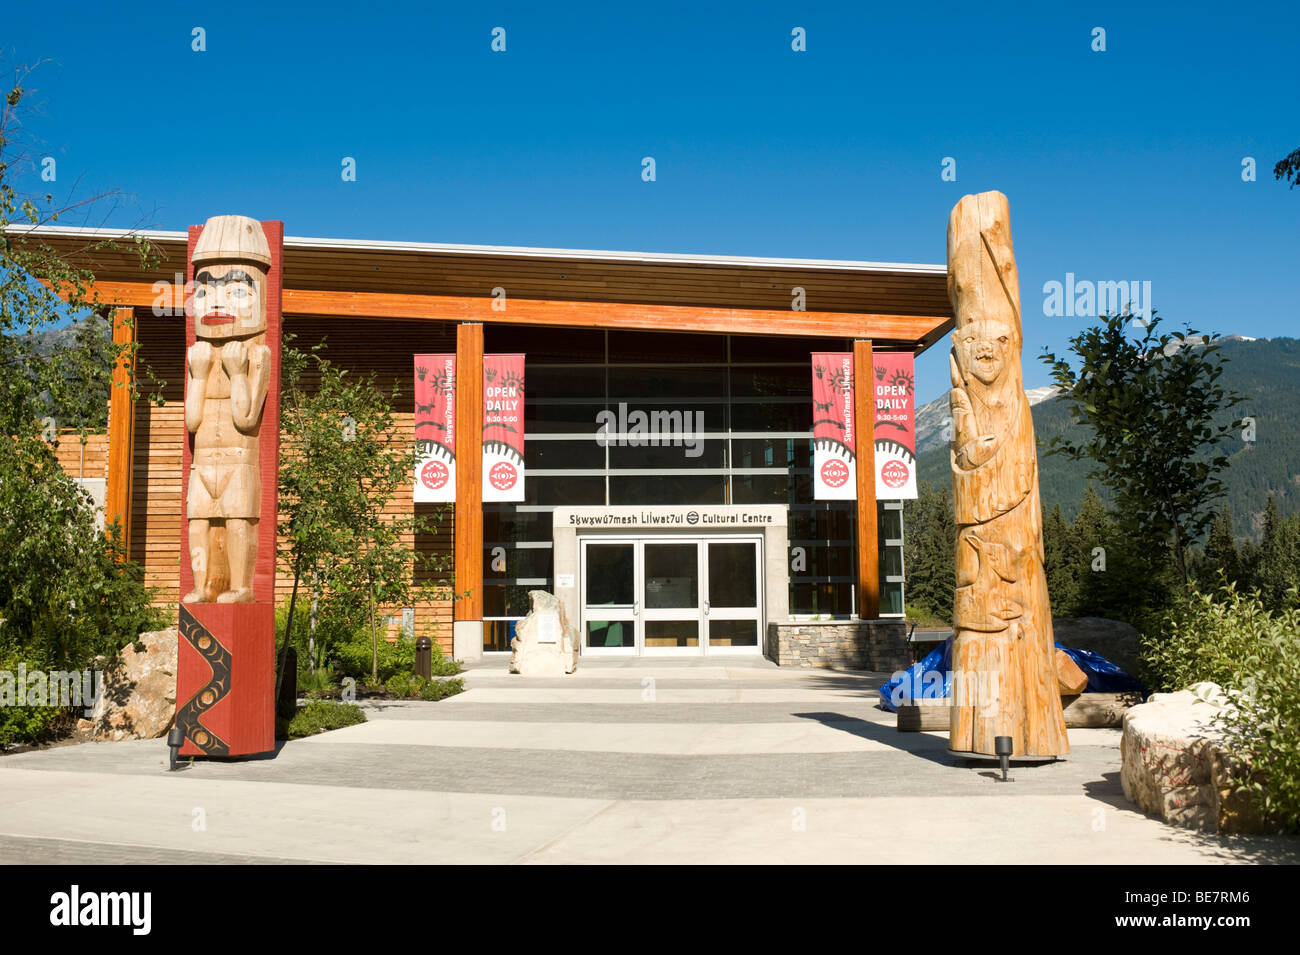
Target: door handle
<point>636,607</point>
<point>706,608</point>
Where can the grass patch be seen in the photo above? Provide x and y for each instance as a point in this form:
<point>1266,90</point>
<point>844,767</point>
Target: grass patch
<point>319,716</point>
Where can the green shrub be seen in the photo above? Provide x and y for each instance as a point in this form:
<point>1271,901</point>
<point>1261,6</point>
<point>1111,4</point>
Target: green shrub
<point>1230,639</point>
<point>438,689</point>
<point>29,724</point>
<point>1199,639</point>
<point>403,684</point>
<point>443,665</point>
<point>335,625</point>
<point>408,686</point>
<point>319,716</point>
<point>354,657</point>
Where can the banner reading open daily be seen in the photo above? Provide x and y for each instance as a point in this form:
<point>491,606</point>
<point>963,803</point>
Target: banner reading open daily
<point>503,427</point>
<point>895,425</point>
<point>435,428</point>
<point>834,459</point>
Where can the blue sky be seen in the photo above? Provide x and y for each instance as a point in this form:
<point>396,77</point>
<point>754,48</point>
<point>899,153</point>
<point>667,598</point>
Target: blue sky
<point>1120,165</point>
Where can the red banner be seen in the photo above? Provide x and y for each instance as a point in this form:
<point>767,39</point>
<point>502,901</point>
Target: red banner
<point>503,427</point>
<point>894,387</point>
<point>435,428</point>
<point>834,461</point>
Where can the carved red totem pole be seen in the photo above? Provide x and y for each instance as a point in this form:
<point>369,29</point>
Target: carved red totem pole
<point>225,680</point>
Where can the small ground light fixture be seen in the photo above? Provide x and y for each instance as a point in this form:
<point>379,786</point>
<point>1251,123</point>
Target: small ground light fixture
<point>1002,746</point>
<point>175,739</point>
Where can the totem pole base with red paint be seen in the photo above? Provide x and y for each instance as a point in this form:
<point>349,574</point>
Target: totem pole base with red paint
<point>225,679</point>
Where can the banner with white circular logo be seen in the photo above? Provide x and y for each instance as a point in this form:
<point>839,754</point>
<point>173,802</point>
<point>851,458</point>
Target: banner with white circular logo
<point>435,428</point>
<point>503,427</point>
<point>894,391</point>
<point>834,462</point>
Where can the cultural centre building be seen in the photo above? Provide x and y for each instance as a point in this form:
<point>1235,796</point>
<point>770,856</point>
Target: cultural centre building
<point>671,431</point>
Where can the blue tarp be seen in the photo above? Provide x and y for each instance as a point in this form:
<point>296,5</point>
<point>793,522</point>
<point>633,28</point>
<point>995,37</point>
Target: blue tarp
<point>931,677</point>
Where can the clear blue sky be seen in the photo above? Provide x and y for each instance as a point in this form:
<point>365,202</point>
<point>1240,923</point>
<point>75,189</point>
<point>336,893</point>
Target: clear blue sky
<point>1119,165</point>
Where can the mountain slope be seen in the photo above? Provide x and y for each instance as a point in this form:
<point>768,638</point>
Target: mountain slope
<point>1265,371</point>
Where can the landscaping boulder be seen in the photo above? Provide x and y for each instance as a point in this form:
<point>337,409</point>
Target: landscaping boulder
<point>138,696</point>
<point>545,643</point>
<point>1113,639</point>
<point>1177,765</point>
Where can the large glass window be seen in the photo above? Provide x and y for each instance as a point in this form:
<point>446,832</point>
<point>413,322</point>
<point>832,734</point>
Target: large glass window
<point>748,442</point>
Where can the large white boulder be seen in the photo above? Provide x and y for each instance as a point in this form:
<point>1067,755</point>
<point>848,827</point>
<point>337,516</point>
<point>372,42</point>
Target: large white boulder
<point>138,696</point>
<point>1177,765</point>
<point>545,644</point>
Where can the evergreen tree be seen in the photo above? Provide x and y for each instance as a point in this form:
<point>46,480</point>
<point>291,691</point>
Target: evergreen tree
<point>1061,550</point>
<point>1277,559</point>
<point>1221,555</point>
<point>929,551</point>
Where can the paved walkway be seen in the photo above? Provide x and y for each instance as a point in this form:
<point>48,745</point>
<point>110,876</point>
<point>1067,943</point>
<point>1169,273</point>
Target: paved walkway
<point>625,761</point>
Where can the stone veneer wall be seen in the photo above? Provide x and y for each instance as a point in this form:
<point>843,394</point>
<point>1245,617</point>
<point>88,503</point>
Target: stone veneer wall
<point>878,645</point>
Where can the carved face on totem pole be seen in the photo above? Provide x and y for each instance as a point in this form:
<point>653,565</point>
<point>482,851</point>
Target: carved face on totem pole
<point>985,348</point>
<point>229,368</point>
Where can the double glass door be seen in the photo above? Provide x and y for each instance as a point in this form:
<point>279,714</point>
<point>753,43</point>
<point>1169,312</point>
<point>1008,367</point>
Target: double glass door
<point>671,595</point>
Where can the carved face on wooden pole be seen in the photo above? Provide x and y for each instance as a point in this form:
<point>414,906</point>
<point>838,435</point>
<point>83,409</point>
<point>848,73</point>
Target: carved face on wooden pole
<point>1004,672</point>
<point>229,301</point>
<point>229,368</point>
<point>985,348</point>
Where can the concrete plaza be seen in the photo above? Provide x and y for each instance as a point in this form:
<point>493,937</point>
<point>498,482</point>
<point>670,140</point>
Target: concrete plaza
<point>640,761</point>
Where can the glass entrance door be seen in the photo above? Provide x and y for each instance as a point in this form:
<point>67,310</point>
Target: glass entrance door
<point>670,579</point>
<point>671,596</point>
<point>609,598</point>
<point>732,612</point>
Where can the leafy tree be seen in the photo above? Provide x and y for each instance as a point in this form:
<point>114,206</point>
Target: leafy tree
<point>1288,169</point>
<point>342,463</point>
<point>1154,411</point>
<point>67,593</point>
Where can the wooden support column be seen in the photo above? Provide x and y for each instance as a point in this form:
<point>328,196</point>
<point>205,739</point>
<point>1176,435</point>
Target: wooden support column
<point>468,528</point>
<point>121,430</point>
<point>864,413</point>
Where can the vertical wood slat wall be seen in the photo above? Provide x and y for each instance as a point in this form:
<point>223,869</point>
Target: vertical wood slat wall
<point>93,464</point>
<point>382,347</point>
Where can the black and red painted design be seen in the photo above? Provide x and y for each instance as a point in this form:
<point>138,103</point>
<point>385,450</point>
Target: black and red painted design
<point>189,716</point>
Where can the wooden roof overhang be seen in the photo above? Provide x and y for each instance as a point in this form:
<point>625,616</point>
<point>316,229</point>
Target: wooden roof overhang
<point>896,306</point>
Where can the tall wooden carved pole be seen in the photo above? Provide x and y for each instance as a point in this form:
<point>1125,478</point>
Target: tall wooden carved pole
<point>226,664</point>
<point>1004,671</point>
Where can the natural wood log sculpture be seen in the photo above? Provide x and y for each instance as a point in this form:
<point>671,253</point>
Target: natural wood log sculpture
<point>1070,678</point>
<point>229,372</point>
<point>1004,668</point>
